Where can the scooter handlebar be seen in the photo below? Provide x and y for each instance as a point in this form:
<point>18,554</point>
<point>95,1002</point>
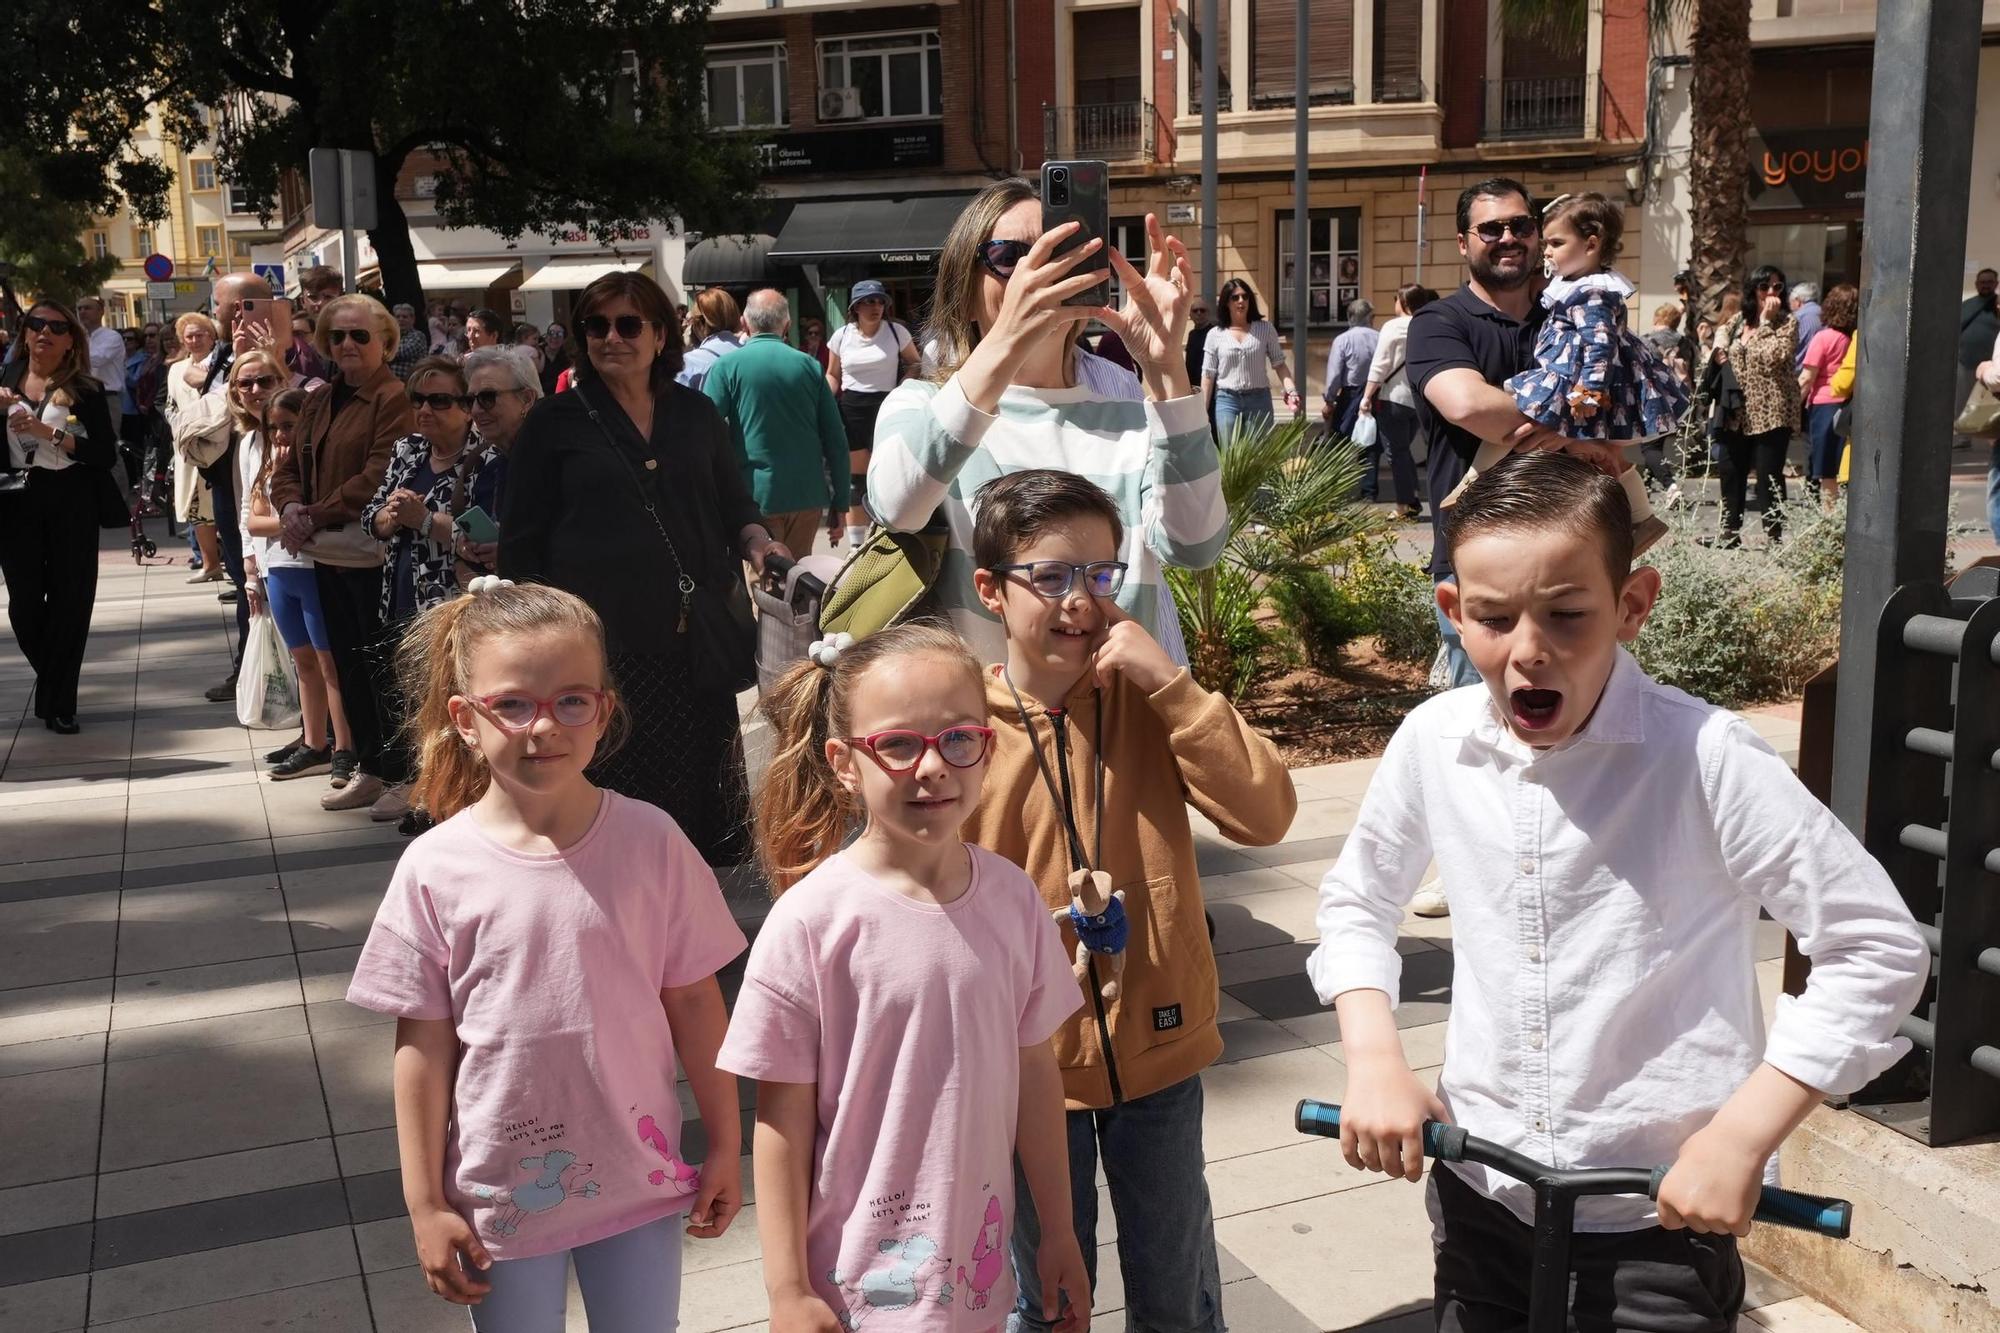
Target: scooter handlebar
<point>1787,1208</point>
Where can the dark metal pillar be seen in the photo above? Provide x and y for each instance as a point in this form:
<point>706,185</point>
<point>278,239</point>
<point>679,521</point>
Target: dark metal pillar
<point>1301,213</point>
<point>1211,93</point>
<point>1919,179</point>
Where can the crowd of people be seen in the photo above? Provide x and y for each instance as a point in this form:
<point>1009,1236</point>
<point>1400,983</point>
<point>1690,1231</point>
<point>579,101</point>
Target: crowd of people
<point>516,602</point>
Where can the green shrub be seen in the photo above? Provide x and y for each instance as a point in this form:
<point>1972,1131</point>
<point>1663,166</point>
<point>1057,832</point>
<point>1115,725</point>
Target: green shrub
<point>1218,610</point>
<point>1323,617</point>
<point>1395,598</point>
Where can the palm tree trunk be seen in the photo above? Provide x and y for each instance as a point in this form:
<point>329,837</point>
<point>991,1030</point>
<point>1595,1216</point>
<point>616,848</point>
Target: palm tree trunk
<point>1719,165</point>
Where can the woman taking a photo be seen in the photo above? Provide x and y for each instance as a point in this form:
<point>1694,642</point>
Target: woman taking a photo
<point>281,585</point>
<point>1237,361</point>
<point>626,491</point>
<point>1389,400</point>
<point>866,358</point>
<point>60,450</point>
<point>1755,348</point>
<point>1007,396</point>
<point>346,435</point>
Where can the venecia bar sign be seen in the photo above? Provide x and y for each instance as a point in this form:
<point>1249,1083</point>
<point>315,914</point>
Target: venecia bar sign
<point>1818,169</point>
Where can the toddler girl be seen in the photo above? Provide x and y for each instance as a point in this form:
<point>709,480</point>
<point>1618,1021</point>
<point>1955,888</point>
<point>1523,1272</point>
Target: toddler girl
<point>1594,378</point>
<point>548,950</point>
<point>898,1008</point>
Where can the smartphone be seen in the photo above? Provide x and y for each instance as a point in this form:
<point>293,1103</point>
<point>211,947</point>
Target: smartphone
<point>278,310</point>
<point>478,526</point>
<point>1080,192</point>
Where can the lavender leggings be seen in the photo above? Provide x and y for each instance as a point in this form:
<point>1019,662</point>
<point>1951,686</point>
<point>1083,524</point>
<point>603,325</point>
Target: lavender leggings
<point>631,1283</point>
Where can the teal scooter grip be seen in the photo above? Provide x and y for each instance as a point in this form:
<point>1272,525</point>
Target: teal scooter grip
<point>1789,1208</point>
<point>1444,1142</point>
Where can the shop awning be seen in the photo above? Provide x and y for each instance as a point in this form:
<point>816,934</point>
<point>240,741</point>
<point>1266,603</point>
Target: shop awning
<point>562,275</point>
<point>878,231</point>
<point>470,276</point>
<point>727,261</point>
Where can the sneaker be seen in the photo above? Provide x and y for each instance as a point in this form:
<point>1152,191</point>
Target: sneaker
<point>1674,496</point>
<point>286,751</point>
<point>392,804</point>
<point>343,768</point>
<point>358,794</point>
<point>1429,900</point>
<point>223,693</point>
<point>302,763</point>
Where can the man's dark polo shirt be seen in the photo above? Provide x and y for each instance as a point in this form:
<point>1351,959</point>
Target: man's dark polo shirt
<point>1462,330</point>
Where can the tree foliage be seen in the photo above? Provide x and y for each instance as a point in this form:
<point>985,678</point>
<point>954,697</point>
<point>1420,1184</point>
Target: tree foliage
<point>544,114</point>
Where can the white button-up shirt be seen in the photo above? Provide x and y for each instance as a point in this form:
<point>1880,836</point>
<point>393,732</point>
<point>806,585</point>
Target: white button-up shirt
<point>1604,899</point>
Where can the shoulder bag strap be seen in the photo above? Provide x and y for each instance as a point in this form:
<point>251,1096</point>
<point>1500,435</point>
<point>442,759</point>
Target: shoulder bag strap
<point>647,498</point>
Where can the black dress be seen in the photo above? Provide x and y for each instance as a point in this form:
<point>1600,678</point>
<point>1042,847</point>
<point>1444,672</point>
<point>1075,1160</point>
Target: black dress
<point>572,517</point>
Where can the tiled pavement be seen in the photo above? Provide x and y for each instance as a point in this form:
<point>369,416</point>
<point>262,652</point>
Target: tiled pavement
<point>198,1129</point>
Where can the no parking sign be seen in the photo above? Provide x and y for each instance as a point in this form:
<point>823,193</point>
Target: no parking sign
<point>159,268</point>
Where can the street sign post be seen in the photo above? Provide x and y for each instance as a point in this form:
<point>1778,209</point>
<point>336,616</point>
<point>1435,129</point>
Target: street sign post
<point>343,181</point>
<point>271,273</point>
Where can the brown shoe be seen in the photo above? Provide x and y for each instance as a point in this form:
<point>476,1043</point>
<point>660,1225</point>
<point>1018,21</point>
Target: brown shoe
<point>358,794</point>
<point>1646,534</point>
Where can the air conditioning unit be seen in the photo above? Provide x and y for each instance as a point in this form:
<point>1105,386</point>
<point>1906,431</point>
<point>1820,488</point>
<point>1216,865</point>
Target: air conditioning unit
<point>840,104</point>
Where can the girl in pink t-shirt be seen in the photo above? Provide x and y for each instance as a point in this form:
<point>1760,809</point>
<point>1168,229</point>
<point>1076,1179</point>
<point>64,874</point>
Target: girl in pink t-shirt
<point>897,1010</point>
<point>548,950</point>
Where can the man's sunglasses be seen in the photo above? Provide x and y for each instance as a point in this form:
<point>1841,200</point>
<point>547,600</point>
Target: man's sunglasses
<point>264,382</point>
<point>440,402</point>
<point>42,324</point>
<point>362,337</point>
<point>1002,257</point>
<point>600,326</point>
<point>1521,228</point>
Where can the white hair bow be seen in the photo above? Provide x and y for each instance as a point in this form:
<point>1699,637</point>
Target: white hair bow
<point>827,651</point>
<point>488,583</point>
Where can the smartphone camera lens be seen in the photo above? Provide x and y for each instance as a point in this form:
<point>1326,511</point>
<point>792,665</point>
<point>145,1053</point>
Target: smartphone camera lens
<point>1059,175</point>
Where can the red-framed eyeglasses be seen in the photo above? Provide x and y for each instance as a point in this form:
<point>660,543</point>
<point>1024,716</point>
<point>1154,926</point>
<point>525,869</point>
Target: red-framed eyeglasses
<point>901,751</point>
<point>518,712</point>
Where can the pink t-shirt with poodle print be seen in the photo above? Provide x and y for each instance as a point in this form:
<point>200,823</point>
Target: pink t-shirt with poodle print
<point>910,1017</point>
<point>565,1125</point>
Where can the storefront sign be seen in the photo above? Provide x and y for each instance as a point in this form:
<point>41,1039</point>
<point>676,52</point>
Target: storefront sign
<point>874,148</point>
<point>1818,169</point>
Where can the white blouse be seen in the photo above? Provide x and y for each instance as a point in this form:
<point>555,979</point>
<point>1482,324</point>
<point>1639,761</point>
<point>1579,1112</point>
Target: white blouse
<point>1242,365</point>
<point>1390,368</point>
<point>868,365</point>
<point>25,450</point>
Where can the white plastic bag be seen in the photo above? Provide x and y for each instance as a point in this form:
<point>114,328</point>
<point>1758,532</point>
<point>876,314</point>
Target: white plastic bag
<point>267,685</point>
<point>1364,431</point>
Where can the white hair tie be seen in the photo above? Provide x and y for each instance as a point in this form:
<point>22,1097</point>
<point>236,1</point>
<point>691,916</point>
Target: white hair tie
<point>486,583</point>
<point>826,652</point>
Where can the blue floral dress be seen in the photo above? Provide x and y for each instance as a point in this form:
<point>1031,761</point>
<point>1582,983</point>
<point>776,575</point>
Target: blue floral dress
<point>1584,347</point>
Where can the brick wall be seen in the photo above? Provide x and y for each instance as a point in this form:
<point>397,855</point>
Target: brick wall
<point>1164,79</point>
<point>1462,58</point>
<point>1622,113</point>
<point>1035,63</point>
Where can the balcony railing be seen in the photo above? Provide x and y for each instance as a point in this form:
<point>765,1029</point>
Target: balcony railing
<point>1395,88</point>
<point>1113,131</point>
<point>1544,108</point>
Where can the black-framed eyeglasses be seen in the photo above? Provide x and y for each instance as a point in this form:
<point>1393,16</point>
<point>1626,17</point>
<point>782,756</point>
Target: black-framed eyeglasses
<point>1001,257</point>
<point>1053,579</point>
<point>901,751</point>
<point>362,337</point>
<point>440,402</point>
<point>59,328</point>
<point>600,326</point>
<point>1521,227</point>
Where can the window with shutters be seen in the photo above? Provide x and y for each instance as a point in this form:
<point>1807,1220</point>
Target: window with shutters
<point>1329,52</point>
<point>1333,266</point>
<point>1399,50</point>
<point>1104,52</point>
<point>1195,37</point>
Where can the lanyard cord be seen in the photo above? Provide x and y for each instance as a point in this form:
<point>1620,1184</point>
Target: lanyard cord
<point>1065,799</point>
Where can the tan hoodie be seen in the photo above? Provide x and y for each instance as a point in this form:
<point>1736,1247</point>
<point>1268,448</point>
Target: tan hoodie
<point>1161,752</point>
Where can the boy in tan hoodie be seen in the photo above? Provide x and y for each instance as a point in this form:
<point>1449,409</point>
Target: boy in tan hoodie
<point>1100,744</point>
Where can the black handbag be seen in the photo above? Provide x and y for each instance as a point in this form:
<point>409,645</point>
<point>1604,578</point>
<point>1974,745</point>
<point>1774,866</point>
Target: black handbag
<point>721,630</point>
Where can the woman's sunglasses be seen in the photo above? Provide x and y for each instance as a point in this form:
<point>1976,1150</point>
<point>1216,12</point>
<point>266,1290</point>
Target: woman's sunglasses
<point>600,326</point>
<point>1521,228</point>
<point>362,337</point>
<point>485,399</point>
<point>264,382</point>
<point>440,402</point>
<point>59,328</point>
<point>1001,257</point>
<point>518,712</point>
<point>901,751</point>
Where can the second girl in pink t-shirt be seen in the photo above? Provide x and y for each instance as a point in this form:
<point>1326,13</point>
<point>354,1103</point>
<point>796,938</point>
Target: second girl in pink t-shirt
<point>547,950</point>
<point>897,1010</point>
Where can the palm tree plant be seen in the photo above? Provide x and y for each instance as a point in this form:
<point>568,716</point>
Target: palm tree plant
<point>1719,160</point>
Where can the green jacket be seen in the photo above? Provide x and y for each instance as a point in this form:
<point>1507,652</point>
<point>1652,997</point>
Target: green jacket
<point>789,438</point>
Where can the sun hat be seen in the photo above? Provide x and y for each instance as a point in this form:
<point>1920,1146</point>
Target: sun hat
<point>864,289</point>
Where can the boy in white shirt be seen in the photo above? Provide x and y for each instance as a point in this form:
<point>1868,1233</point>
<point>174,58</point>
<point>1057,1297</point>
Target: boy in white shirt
<point>1605,842</point>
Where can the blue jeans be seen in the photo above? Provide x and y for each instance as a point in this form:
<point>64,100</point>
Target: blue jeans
<point>1462,670</point>
<point>1151,1149</point>
<point>1230,404</point>
<point>631,1283</point>
<point>1993,493</point>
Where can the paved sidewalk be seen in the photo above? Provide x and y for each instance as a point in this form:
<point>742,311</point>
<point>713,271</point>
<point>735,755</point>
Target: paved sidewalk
<point>199,1129</point>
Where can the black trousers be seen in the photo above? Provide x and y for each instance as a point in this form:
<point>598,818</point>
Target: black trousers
<point>1647,1281</point>
<point>1766,453</point>
<point>351,601</point>
<point>221,479</point>
<point>48,555</point>
<point>1396,426</point>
